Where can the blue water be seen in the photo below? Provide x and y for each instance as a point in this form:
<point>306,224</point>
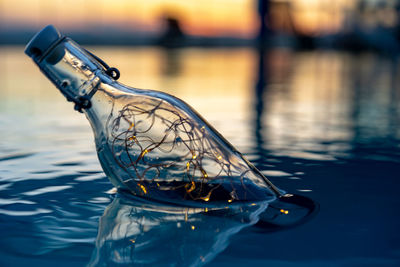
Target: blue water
<point>324,125</point>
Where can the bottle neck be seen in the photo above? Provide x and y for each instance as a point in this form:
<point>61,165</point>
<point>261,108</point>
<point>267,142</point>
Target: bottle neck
<point>73,71</point>
<point>102,104</point>
<point>82,79</point>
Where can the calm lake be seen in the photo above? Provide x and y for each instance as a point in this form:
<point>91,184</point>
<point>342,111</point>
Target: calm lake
<point>322,124</point>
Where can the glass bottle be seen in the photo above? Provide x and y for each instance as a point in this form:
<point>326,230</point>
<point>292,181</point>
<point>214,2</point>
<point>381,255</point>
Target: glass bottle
<point>149,143</point>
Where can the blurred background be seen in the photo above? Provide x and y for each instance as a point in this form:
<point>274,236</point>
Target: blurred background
<point>308,90</point>
<point>350,25</point>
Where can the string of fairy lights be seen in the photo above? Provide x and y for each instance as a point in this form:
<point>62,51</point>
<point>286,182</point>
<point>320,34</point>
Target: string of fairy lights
<point>150,138</point>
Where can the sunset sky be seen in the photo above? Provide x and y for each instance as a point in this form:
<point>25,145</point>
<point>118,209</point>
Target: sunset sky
<point>201,17</point>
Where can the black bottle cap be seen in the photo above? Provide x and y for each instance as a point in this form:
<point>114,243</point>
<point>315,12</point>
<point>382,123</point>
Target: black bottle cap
<point>42,41</point>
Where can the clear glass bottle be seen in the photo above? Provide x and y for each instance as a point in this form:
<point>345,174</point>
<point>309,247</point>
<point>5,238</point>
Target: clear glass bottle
<point>149,143</point>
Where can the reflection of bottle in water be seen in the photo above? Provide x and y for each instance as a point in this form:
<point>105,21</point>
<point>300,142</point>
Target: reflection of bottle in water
<point>134,232</point>
<point>149,143</point>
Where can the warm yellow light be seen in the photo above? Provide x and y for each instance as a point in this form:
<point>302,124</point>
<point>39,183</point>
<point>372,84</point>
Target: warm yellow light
<point>191,188</point>
<point>319,16</point>
<point>144,152</point>
<point>284,211</point>
<point>207,198</point>
<point>193,227</point>
<point>143,188</point>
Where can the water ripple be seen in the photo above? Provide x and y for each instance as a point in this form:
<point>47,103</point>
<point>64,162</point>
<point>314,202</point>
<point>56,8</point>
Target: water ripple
<point>19,213</point>
<point>16,156</point>
<point>48,189</point>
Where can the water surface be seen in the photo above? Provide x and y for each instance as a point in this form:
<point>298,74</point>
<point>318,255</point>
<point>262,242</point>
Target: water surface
<point>322,124</point>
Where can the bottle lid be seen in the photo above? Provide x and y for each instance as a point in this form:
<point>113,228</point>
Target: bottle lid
<point>42,41</point>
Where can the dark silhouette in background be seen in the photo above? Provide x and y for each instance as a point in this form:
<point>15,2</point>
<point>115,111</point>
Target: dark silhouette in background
<point>370,26</point>
<point>171,40</point>
<point>365,26</point>
<point>373,26</point>
<point>173,36</point>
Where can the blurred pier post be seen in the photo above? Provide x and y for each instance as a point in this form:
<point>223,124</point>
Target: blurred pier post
<point>264,32</point>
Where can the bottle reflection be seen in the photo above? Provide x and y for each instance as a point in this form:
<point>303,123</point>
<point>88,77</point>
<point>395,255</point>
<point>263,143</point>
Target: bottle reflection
<point>132,231</point>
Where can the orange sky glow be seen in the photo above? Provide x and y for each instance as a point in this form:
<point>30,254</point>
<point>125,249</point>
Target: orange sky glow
<point>200,17</point>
